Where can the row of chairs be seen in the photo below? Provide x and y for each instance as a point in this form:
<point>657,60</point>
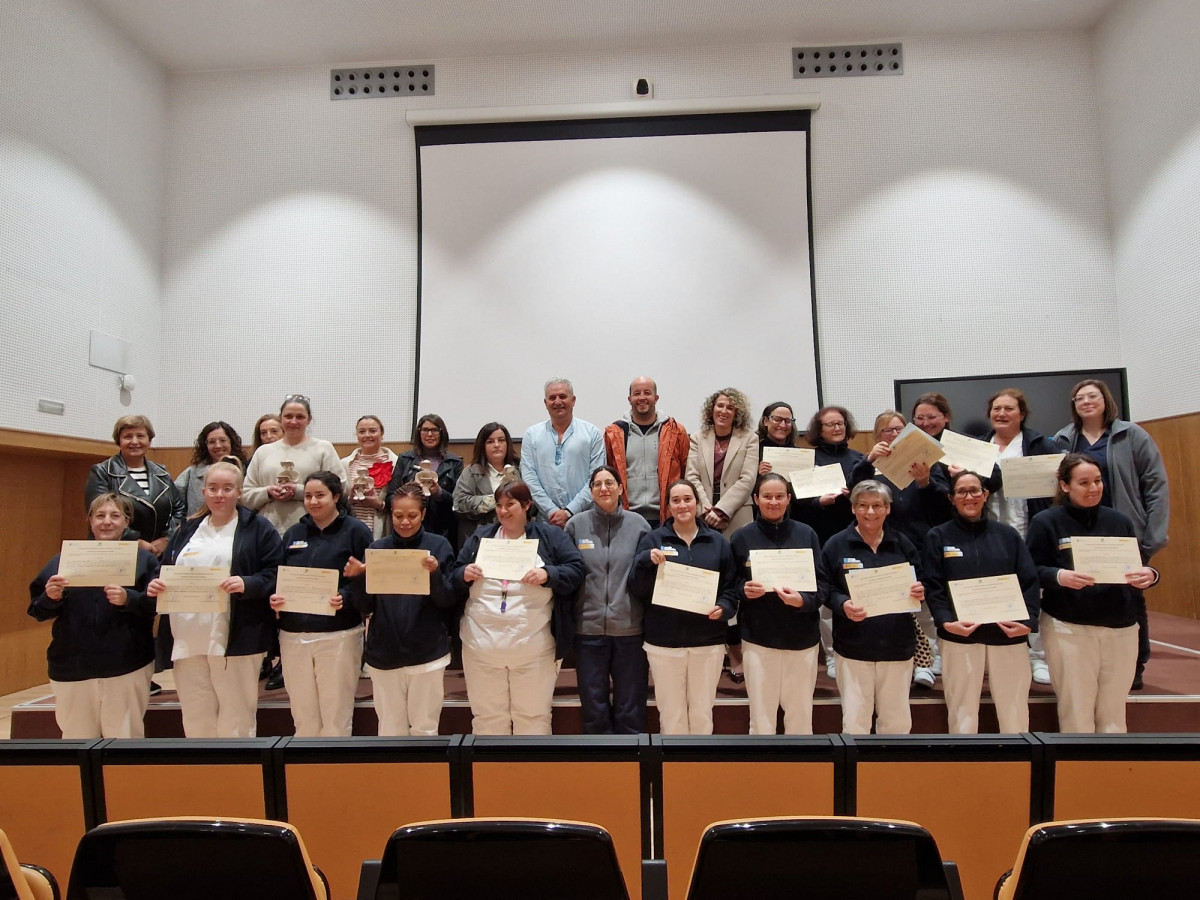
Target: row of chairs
<point>826,857</point>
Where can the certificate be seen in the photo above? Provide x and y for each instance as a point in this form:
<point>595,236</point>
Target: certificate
<point>971,454</point>
<point>786,460</point>
<point>818,481</point>
<point>508,560</point>
<point>911,445</point>
<point>98,563</point>
<point>985,601</point>
<point>1030,476</point>
<point>793,568</point>
<point>397,572</point>
<point>687,588</point>
<point>193,589</point>
<point>1106,559</point>
<point>307,590</point>
<point>884,590</point>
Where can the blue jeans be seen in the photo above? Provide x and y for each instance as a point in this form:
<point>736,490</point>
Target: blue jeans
<point>599,657</point>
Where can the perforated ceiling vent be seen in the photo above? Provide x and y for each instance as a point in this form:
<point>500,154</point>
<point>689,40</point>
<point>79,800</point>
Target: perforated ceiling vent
<point>845,61</point>
<point>381,81</point>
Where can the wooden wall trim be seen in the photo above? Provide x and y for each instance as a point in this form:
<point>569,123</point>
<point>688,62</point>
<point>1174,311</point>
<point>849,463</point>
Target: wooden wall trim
<point>12,440</point>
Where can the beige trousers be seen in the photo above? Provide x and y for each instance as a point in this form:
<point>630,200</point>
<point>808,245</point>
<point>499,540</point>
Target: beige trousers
<point>1009,677</point>
<point>875,687</point>
<point>780,678</point>
<point>408,700</point>
<point>321,672</point>
<point>218,695</point>
<point>1091,668</point>
<point>510,697</point>
<point>103,707</point>
<point>685,686</point>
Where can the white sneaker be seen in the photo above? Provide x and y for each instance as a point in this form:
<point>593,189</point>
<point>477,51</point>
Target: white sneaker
<point>936,668</point>
<point>831,669</point>
<point>923,677</point>
<point>1041,671</point>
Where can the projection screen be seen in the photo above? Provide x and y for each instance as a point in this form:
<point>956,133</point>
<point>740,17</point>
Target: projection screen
<point>677,247</point>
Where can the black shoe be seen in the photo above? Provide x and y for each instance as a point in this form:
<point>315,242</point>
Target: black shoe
<point>737,677</point>
<point>155,689</point>
<point>275,679</point>
<point>1137,682</point>
<point>265,670</point>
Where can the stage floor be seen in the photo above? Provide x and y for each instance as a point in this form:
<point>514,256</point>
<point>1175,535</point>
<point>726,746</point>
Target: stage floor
<point>1170,701</point>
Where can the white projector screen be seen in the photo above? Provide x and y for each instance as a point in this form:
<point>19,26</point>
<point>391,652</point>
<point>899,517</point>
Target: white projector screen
<point>678,248</point>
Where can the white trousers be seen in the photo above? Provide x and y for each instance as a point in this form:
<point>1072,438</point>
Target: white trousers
<point>780,678</point>
<point>218,695</point>
<point>1091,668</point>
<point>103,707</point>
<point>685,686</point>
<point>510,697</point>
<point>875,687</point>
<point>1009,677</point>
<point>321,672</point>
<point>408,700</point>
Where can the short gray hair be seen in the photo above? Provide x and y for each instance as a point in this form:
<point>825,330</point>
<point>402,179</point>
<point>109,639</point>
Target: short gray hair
<point>871,487</point>
<point>566,381</point>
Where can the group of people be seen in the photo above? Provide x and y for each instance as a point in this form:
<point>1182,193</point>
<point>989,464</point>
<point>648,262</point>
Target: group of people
<point>608,509</point>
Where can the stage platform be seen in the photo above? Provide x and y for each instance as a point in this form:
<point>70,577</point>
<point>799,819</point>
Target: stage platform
<point>1170,701</point>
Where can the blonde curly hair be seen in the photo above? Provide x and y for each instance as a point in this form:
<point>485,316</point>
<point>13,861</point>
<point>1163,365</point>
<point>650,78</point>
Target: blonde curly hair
<point>741,403</point>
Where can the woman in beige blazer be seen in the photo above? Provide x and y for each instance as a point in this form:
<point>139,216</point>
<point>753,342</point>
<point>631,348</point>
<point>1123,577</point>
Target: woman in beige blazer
<point>725,444</point>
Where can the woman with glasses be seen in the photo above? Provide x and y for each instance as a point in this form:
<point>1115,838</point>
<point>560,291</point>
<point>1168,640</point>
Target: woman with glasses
<point>776,428</point>
<point>1090,629</point>
<point>277,472</point>
<point>513,629</point>
<point>431,464</point>
<point>1135,479</point>
<point>971,546</point>
<point>216,441</point>
<point>685,648</point>
<point>608,625</point>
<point>875,653</point>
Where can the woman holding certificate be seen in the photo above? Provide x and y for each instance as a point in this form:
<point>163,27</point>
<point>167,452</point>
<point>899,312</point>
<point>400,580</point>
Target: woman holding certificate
<point>982,621</point>
<point>408,647</point>
<point>776,428</point>
<point>276,475</point>
<point>684,641</point>
<point>320,627</point>
<point>1135,479</point>
<point>101,652</point>
<point>874,640</point>
<point>432,465</point>
<point>217,655</point>
<point>779,618</point>
<point>518,579</point>
<point>1088,623</point>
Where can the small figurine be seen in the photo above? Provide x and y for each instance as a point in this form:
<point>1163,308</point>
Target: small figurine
<point>361,487</point>
<point>510,474</point>
<point>287,473</point>
<point>426,477</point>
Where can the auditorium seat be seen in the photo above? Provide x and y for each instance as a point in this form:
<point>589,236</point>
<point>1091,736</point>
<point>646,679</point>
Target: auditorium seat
<point>195,859</point>
<point>530,859</point>
<point>1088,858</point>
<point>835,857</point>
<point>23,881</point>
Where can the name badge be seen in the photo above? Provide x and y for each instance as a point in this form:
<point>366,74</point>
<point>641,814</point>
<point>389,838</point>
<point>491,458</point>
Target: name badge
<point>951,552</point>
<point>851,563</point>
<point>668,550</point>
<point>586,544</point>
<point>298,545</point>
<point>1064,543</point>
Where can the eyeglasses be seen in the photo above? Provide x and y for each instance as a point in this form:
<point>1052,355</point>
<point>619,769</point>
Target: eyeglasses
<point>834,425</point>
<point>610,484</point>
<point>895,429</point>
<point>871,507</point>
<point>968,492</point>
<point>432,429</point>
<point>1080,398</point>
<point>780,420</point>
<point>295,398</point>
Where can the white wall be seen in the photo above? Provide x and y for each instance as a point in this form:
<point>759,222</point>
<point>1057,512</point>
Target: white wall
<point>959,213</point>
<point>82,126</point>
<point>1149,77</point>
